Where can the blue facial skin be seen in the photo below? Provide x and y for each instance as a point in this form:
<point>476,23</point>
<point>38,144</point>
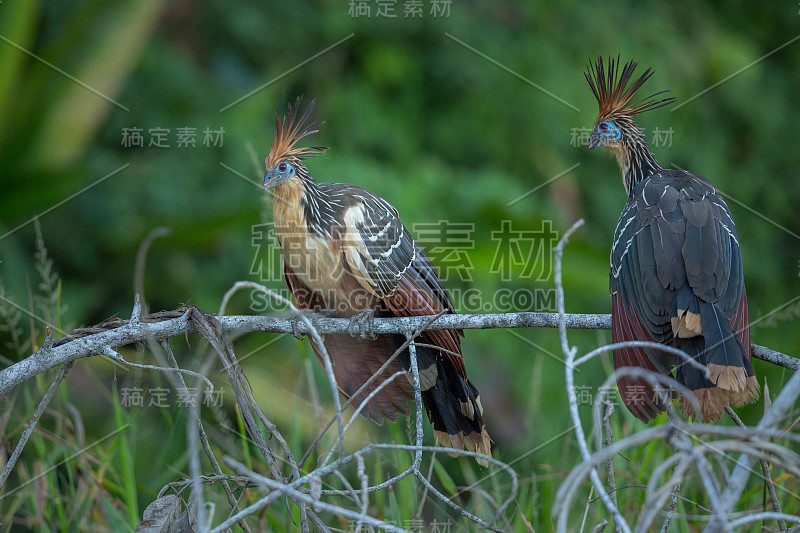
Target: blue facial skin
<point>603,133</point>
<point>281,171</point>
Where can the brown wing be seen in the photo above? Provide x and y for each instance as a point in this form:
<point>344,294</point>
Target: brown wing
<point>741,323</point>
<point>389,263</point>
<point>305,297</point>
<point>637,394</point>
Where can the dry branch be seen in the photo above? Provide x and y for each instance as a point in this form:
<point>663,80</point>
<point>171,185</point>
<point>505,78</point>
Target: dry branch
<point>166,324</point>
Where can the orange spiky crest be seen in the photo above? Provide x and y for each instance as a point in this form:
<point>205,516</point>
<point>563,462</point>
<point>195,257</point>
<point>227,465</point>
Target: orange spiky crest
<point>288,132</point>
<point>613,93</point>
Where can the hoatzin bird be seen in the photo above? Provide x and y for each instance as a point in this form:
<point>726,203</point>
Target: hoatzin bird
<point>347,254</point>
<point>676,272</point>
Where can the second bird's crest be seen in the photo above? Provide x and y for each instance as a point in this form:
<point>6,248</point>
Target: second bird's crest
<point>614,95</point>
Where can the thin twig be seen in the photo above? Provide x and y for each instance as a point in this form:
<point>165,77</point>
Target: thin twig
<point>608,410</point>
<point>361,389</point>
<point>781,405</point>
<point>760,517</point>
<point>37,414</point>
<point>102,339</point>
<point>586,509</point>
<point>300,496</point>
<point>569,354</point>
<point>773,497</point>
<point>113,355</point>
<point>289,488</point>
<point>179,382</point>
<point>141,260</point>
<point>208,326</point>
<point>673,504</point>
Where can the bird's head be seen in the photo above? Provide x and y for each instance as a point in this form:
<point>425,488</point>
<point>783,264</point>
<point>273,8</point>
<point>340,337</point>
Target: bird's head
<point>285,160</point>
<point>283,170</point>
<point>615,127</point>
<point>606,133</point>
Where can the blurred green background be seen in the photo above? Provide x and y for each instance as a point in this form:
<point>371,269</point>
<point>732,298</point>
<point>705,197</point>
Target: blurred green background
<point>451,116</point>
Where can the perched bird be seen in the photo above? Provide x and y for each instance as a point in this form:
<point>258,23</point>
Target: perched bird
<point>347,254</point>
<point>676,272</point>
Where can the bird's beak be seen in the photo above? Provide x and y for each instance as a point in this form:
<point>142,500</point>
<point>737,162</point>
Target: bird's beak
<point>270,179</point>
<point>595,140</point>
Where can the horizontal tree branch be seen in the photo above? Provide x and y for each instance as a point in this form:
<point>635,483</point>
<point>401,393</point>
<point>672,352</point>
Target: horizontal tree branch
<point>160,326</point>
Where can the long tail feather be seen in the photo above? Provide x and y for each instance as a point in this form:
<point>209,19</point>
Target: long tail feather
<point>452,403</point>
<point>731,379</point>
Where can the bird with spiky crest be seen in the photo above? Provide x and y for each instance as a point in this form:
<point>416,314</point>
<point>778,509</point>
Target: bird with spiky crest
<point>676,271</point>
<point>347,254</point>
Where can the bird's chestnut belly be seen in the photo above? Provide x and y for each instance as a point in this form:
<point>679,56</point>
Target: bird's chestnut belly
<point>322,269</point>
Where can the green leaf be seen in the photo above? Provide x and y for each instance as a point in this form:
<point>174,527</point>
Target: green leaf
<point>127,461</point>
<point>448,484</point>
<point>74,118</point>
<point>17,27</point>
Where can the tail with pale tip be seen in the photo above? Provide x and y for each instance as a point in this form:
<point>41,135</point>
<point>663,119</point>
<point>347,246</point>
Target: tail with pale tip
<point>731,378</point>
<point>453,405</point>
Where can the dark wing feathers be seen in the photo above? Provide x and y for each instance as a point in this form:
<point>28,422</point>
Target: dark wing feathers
<point>393,254</point>
<point>683,232</point>
<point>675,231</point>
<point>728,276</point>
<point>389,261</point>
<point>638,282</point>
<point>388,249</point>
<point>741,327</point>
<point>429,276</point>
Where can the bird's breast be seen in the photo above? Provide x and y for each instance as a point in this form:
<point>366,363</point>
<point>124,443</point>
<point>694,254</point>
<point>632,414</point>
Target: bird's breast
<point>316,258</point>
<point>312,258</point>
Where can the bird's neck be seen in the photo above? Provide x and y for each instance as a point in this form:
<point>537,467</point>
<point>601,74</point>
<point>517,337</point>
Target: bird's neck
<point>636,161</point>
<point>298,202</point>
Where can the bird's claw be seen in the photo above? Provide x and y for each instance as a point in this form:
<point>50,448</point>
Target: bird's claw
<point>362,325</point>
<point>310,315</point>
<point>295,321</point>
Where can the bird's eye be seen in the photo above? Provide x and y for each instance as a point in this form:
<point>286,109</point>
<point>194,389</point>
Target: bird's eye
<point>603,126</point>
<point>282,167</point>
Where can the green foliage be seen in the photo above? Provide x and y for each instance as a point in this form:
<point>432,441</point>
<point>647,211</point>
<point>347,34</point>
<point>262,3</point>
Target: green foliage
<point>411,114</point>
